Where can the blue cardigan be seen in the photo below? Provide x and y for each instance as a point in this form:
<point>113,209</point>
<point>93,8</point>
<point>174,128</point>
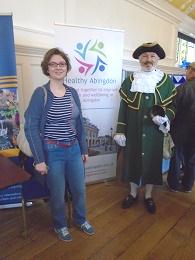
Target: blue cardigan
<point>35,119</point>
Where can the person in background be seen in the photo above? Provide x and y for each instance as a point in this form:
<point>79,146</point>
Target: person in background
<point>55,133</point>
<point>183,134</point>
<point>140,133</point>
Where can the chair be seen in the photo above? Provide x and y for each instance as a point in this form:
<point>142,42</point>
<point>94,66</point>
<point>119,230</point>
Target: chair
<point>36,188</point>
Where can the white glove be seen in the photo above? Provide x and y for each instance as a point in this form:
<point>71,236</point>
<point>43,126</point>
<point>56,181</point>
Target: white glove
<point>165,129</point>
<point>120,139</point>
<point>160,120</point>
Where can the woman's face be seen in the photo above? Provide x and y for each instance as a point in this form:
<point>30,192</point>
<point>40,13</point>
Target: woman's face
<point>57,68</point>
<point>148,61</point>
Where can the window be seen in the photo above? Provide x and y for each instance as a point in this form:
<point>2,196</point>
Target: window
<point>185,52</point>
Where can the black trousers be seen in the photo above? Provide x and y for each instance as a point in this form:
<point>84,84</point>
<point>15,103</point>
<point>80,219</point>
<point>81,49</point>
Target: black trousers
<point>183,160</point>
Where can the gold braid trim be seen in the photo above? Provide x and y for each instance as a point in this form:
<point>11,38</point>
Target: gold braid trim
<point>171,111</point>
<point>135,108</point>
<point>120,123</point>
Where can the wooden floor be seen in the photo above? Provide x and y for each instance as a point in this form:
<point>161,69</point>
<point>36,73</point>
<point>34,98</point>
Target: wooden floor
<point>130,234</point>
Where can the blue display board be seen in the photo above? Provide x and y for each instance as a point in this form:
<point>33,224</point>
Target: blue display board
<point>178,79</point>
<point>11,197</point>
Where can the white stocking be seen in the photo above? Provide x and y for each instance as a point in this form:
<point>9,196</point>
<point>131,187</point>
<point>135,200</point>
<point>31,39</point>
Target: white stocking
<point>134,188</point>
<point>148,191</point>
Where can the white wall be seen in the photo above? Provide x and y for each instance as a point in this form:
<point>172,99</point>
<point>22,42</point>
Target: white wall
<point>137,20</point>
<point>142,21</point>
<point>34,19</point>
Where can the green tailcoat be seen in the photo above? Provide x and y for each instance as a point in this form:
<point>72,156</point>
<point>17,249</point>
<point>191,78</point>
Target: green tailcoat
<point>143,151</point>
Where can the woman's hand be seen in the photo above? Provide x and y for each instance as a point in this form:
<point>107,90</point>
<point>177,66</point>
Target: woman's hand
<point>41,167</point>
<point>85,157</point>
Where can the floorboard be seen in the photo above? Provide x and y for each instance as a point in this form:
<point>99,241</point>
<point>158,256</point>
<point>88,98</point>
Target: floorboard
<point>120,234</point>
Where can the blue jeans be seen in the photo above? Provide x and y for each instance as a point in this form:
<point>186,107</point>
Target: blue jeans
<point>66,170</point>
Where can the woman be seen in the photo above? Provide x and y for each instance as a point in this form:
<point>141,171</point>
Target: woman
<point>55,133</point>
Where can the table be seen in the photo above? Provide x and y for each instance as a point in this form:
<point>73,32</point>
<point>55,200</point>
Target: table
<point>11,174</point>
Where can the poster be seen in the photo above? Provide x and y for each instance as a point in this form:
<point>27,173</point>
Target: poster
<point>9,115</point>
<point>96,59</point>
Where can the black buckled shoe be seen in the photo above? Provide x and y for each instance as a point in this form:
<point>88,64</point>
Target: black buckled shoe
<point>150,205</point>
<point>129,201</point>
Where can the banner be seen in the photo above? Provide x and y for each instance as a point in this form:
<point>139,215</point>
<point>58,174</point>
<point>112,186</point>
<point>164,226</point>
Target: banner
<point>9,115</point>
<point>96,59</point>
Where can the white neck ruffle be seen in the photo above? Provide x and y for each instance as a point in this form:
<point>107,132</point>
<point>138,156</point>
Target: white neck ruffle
<point>145,82</point>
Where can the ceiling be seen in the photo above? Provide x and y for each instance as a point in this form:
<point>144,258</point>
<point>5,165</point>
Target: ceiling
<point>185,6</point>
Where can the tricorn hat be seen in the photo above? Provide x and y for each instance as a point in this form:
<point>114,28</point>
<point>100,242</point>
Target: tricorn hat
<point>149,47</point>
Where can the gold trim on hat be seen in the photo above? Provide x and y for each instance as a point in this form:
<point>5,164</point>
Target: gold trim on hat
<point>149,44</point>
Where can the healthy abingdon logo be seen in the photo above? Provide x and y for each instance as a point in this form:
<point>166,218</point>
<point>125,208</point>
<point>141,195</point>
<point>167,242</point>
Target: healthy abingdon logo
<point>90,57</point>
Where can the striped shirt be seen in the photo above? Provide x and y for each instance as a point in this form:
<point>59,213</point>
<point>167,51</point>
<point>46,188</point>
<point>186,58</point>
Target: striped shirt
<point>60,122</point>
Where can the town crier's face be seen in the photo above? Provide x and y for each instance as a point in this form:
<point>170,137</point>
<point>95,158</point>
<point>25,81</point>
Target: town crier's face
<point>148,61</point>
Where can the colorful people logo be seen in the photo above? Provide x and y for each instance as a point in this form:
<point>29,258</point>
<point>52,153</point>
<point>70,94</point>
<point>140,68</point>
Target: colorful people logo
<point>88,64</point>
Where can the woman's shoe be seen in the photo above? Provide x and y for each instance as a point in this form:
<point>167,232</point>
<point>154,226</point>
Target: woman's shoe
<point>63,234</point>
<point>87,228</point>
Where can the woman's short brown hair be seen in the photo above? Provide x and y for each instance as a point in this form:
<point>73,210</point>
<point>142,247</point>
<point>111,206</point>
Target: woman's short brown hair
<point>47,57</point>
